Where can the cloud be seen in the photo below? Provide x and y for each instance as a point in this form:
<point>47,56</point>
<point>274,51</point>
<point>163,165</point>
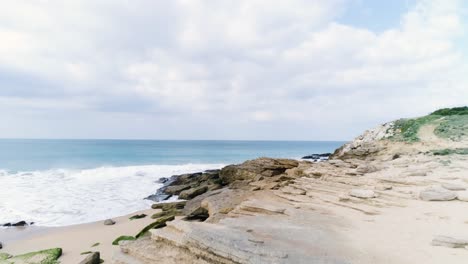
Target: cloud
<point>242,66</point>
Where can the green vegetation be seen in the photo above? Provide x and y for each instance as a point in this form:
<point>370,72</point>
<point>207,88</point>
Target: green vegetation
<point>4,256</point>
<point>453,127</point>
<point>86,253</point>
<point>161,222</point>
<point>137,216</point>
<point>96,244</point>
<point>408,128</point>
<point>451,111</point>
<point>122,238</point>
<point>452,123</point>
<point>49,256</point>
<point>445,152</point>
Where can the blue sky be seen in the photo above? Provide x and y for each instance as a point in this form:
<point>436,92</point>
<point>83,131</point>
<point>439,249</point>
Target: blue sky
<point>253,69</point>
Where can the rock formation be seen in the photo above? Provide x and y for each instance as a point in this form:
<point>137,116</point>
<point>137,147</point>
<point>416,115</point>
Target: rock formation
<point>376,195</point>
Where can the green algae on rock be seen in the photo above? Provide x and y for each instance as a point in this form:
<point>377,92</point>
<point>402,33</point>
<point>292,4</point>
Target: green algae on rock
<point>138,216</point>
<point>48,256</point>
<point>161,222</point>
<point>122,238</point>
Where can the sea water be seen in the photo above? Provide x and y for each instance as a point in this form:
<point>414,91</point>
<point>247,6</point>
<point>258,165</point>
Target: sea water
<point>65,182</point>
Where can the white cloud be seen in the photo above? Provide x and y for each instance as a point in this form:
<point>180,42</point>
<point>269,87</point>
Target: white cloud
<point>231,63</point>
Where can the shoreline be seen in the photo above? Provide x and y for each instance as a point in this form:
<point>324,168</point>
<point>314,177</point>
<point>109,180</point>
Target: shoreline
<point>73,239</point>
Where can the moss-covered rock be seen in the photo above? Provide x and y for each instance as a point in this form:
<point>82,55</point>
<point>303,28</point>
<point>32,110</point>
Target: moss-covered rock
<point>92,258</point>
<point>4,256</point>
<point>161,222</point>
<point>122,238</point>
<point>48,256</point>
<point>138,216</point>
<point>166,213</point>
<point>169,206</point>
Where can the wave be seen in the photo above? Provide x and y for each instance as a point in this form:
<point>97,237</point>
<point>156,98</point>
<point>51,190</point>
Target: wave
<point>61,197</point>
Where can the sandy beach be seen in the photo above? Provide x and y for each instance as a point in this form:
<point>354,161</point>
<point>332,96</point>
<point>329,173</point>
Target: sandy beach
<point>73,239</point>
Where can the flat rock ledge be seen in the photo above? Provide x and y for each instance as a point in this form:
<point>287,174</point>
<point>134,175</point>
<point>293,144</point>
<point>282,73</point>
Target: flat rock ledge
<point>437,194</point>
<point>446,241</point>
<point>362,193</point>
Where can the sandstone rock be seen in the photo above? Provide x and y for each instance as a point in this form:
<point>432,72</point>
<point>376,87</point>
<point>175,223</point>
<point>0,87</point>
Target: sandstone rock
<point>93,258</point>
<point>109,222</point>
<point>361,193</point>
<point>437,194</point>
<point>450,242</point>
<point>343,198</point>
<point>453,187</point>
<point>463,196</point>
<point>364,169</point>
<point>176,189</point>
<point>249,170</point>
<point>193,192</point>
<point>292,190</point>
<point>383,187</point>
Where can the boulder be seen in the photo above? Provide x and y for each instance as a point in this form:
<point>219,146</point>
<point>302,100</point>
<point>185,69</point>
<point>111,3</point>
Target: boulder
<point>138,216</point>
<point>249,170</point>
<point>463,196</point>
<point>450,242</point>
<point>169,206</point>
<point>454,187</point>
<point>437,194</point>
<point>93,258</point>
<point>43,256</point>
<point>109,222</point>
<point>20,223</point>
<point>361,193</point>
<point>1,245</point>
<point>176,189</point>
<point>193,192</point>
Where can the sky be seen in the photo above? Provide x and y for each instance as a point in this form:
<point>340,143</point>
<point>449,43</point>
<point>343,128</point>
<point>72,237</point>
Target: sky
<point>228,69</point>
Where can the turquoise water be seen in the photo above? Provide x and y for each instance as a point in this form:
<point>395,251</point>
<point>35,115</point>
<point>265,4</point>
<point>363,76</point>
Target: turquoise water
<point>64,182</point>
<point>32,154</point>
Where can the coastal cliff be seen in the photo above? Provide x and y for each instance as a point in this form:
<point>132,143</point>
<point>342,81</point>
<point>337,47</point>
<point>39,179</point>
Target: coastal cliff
<point>393,195</point>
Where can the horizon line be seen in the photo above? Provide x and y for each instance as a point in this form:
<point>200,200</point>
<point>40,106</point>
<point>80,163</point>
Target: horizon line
<point>147,139</point>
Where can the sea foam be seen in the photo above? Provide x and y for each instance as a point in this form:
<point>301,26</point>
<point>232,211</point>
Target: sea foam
<point>62,197</point>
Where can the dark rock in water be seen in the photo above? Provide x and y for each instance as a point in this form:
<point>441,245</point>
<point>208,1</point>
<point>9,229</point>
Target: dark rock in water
<point>93,258</point>
<point>176,189</point>
<point>163,180</point>
<point>317,157</point>
<point>6,225</point>
<point>178,184</point>
<point>159,196</point>
<point>20,223</point>
<point>1,245</point>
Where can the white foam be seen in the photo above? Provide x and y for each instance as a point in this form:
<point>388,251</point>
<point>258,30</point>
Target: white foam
<point>64,197</point>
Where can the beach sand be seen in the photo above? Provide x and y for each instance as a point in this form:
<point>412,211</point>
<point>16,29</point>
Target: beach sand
<point>73,239</point>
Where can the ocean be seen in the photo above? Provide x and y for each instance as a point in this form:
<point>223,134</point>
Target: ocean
<point>65,182</point>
